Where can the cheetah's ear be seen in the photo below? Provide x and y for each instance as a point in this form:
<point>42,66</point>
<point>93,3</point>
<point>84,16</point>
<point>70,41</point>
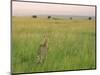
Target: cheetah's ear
<point>45,37</point>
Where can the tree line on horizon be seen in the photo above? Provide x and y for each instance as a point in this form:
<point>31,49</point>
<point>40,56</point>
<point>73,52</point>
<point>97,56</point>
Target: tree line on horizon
<point>50,17</point>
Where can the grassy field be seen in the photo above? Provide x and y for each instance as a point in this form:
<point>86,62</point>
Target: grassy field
<point>71,44</point>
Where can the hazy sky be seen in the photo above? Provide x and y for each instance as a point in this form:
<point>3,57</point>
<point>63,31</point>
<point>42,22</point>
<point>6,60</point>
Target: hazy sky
<point>28,9</point>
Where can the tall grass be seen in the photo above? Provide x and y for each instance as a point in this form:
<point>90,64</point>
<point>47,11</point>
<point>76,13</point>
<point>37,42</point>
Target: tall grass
<point>71,44</point>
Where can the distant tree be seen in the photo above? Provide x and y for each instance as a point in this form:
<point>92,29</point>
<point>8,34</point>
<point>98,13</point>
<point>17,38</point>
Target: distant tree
<point>34,16</point>
<point>90,18</point>
<point>70,18</point>
<point>49,17</point>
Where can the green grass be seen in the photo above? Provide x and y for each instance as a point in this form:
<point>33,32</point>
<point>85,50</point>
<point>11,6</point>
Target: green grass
<point>71,44</point>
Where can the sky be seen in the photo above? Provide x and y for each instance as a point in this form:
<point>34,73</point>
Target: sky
<point>29,8</point>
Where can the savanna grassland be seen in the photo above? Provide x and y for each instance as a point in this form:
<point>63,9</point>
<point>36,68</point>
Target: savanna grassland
<point>71,44</point>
